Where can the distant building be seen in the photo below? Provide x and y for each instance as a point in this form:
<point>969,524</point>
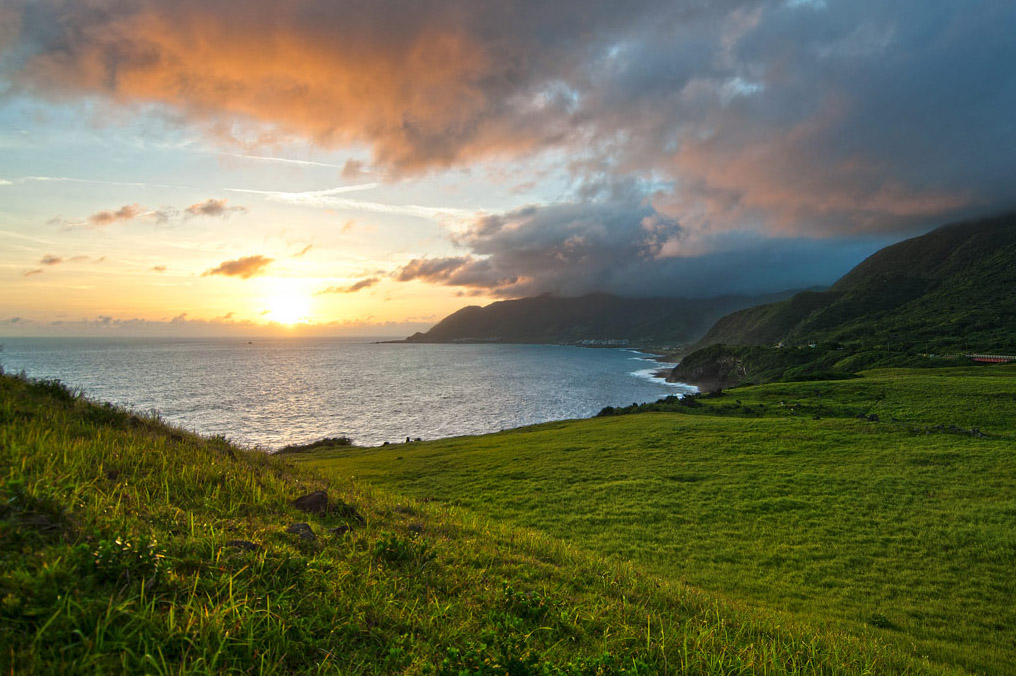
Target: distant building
<point>991,358</point>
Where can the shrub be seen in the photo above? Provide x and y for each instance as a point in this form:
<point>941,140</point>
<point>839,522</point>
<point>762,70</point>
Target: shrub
<point>399,550</point>
<point>122,560</point>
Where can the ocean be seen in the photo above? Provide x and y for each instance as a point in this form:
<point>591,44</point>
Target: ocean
<point>270,393</point>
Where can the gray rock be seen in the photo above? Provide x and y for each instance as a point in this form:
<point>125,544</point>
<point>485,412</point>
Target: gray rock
<point>303,530</point>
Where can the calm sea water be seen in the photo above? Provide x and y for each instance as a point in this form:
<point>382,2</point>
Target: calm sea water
<point>275,392</point>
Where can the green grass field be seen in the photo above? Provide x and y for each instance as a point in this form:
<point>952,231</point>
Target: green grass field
<point>774,497</point>
<point>127,546</point>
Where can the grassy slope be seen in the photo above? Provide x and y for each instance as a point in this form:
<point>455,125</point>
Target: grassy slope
<point>901,529</point>
<point>114,557</point>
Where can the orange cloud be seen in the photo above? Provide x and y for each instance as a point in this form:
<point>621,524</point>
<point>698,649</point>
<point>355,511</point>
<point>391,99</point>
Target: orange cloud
<point>213,208</point>
<point>245,268</point>
<point>125,213</point>
<point>411,85</point>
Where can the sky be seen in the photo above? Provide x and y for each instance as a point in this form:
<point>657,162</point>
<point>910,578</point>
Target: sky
<point>313,167</point>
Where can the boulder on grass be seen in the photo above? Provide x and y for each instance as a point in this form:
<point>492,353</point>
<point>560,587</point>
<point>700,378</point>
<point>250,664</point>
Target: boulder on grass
<point>313,503</point>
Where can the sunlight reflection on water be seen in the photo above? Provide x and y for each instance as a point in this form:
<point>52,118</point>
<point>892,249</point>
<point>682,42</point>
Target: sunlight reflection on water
<point>275,392</point>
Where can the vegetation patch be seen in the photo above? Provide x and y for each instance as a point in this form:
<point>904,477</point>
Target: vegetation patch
<point>130,547</point>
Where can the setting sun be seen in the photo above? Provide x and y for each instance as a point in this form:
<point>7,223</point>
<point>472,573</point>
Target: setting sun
<point>288,306</point>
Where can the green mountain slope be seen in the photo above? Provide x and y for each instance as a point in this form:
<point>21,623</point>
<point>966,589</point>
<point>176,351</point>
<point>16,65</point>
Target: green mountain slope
<point>594,317</point>
<point>949,290</point>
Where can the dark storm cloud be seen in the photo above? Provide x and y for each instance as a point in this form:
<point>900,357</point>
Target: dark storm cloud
<point>868,117</point>
<point>620,243</point>
<point>793,119</point>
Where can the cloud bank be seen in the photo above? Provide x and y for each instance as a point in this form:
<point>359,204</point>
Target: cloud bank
<point>848,113</point>
<point>619,242</point>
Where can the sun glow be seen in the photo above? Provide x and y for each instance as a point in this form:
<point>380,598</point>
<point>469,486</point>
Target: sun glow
<point>288,306</point>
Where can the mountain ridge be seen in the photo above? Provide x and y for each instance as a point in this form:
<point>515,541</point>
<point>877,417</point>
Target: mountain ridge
<point>961,272</point>
<point>592,319</point>
<point>949,291</point>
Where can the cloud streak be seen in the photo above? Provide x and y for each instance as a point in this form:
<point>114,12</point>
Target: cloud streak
<point>244,268</point>
<point>71,179</point>
<point>213,208</point>
<point>284,160</point>
<point>328,199</point>
<point>165,215</point>
<point>128,212</point>
<point>352,288</point>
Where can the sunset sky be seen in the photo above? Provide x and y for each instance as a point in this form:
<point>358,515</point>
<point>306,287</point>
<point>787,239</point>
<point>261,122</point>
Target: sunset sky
<point>316,167</point>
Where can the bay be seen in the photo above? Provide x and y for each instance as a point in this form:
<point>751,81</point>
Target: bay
<point>269,393</point>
